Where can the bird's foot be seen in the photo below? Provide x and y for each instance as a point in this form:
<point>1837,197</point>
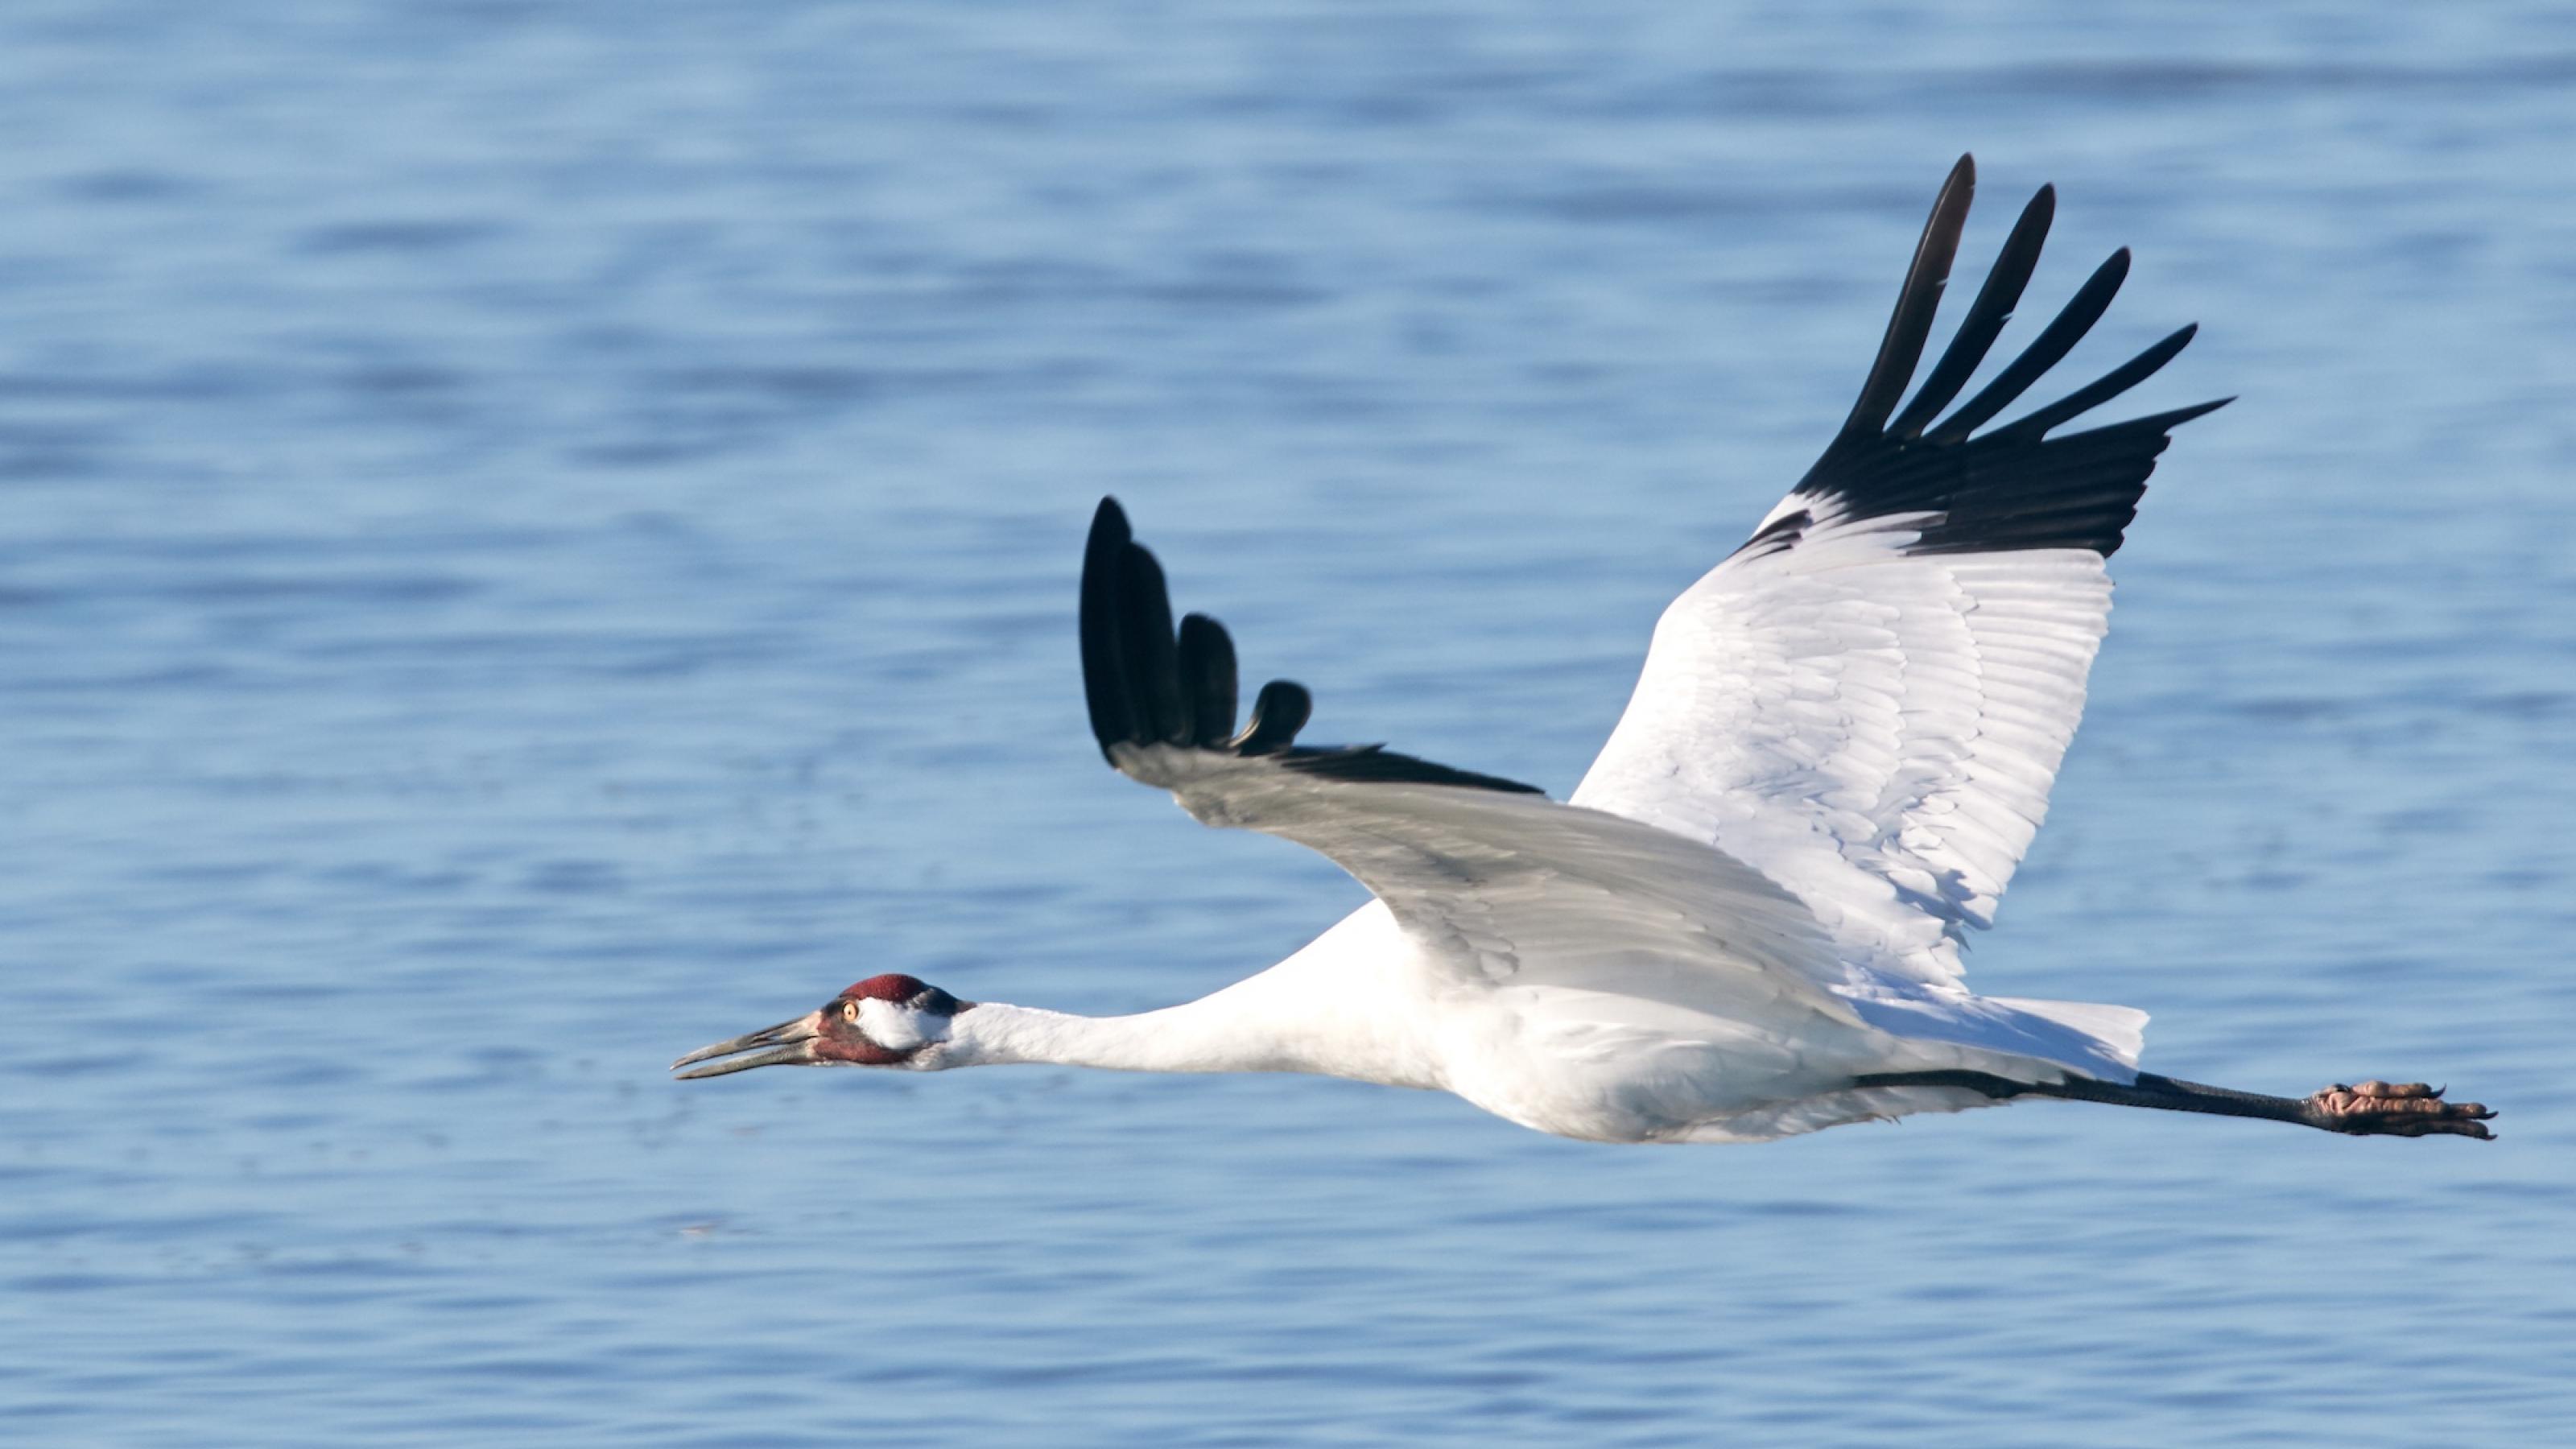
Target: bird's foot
<point>2395,1109</point>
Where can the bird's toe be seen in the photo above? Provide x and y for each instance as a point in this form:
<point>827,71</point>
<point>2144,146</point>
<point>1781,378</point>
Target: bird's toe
<point>2396,1109</point>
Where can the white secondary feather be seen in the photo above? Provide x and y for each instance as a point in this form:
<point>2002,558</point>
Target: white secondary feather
<point>1874,730</point>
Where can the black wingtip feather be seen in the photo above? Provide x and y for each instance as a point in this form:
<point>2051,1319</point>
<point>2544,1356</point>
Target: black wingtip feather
<point>1145,686</point>
<point>1278,712</point>
<point>2013,487</point>
<point>2047,350</point>
<point>2104,388</point>
<point>1207,678</point>
<point>1102,685</point>
<point>1986,316</point>
<point>1910,326</point>
<point>1148,656</point>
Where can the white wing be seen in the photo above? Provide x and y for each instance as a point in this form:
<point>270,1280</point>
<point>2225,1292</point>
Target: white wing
<point>1508,887</point>
<point>1498,883</point>
<point>1869,700</point>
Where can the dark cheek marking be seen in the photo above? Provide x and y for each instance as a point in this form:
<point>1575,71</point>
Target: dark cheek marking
<point>858,1050</point>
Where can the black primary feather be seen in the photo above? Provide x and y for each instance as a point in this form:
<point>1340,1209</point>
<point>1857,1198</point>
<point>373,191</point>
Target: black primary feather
<point>1207,677</point>
<point>1916,302</point>
<point>1278,712</point>
<point>2013,487</point>
<point>1147,687</point>
<point>1986,316</point>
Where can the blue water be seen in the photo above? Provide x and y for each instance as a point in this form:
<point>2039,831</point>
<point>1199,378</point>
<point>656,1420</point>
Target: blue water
<point>539,535</point>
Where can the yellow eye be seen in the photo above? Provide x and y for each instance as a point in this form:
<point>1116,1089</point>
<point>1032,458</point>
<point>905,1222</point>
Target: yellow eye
<point>849,1011</point>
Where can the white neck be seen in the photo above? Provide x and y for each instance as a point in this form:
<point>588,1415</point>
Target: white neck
<point>1273,1022</point>
<point>1329,1010</point>
<point>1202,1036</point>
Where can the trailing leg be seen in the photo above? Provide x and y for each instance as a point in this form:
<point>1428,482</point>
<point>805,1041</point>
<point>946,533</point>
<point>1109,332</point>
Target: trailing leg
<point>2370,1109</point>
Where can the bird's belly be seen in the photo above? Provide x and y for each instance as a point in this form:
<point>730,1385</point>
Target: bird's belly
<point>1604,1071</point>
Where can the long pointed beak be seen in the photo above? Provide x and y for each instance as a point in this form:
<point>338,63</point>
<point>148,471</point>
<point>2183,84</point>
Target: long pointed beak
<point>788,1044</point>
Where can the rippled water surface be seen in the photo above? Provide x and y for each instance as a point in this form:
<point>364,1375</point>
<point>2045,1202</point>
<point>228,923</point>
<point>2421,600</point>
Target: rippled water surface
<point>538,535</point>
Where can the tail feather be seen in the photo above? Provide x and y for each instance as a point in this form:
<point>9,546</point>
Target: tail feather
<point>2017,1038</point>
<point>2120,1030</point>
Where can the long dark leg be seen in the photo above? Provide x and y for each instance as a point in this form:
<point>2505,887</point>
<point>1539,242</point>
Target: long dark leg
<point>2372,1109</point>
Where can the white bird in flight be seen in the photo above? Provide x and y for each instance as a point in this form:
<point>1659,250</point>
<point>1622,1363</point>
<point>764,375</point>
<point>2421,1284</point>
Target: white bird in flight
<point>1746,922</point>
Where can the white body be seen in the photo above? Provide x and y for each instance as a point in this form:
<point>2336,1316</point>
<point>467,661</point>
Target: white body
<point>1360,1003</point>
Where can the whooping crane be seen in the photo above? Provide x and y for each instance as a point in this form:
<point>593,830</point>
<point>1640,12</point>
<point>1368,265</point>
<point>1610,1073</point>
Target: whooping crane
<point>1746,922</point>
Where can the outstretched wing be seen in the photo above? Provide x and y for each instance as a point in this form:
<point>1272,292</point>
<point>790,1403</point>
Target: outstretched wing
<point>1868,701</point>
<point>1497,883</point>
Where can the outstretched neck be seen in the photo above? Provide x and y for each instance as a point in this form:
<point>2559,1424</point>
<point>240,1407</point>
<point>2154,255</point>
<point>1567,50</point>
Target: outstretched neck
<point>1201,1036</point>
<point>1258,1025</point>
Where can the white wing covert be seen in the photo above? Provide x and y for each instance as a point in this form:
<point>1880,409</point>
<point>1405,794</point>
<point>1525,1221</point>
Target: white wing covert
<point>1869,700</point>
<point>1502,885</point>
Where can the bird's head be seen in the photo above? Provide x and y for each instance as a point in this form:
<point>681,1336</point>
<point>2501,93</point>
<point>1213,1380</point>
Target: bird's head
<point>884,1021</point>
